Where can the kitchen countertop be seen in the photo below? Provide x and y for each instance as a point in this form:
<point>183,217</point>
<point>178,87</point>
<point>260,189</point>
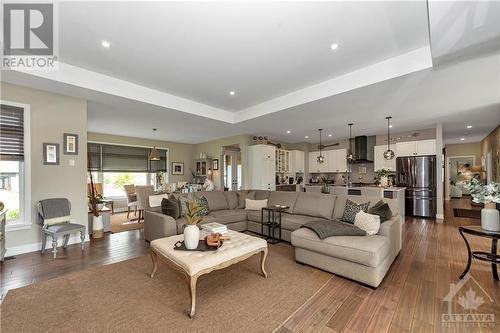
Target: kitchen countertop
<point>392,189</point>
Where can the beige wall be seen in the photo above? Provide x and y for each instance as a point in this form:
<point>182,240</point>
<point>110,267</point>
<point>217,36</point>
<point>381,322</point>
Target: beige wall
<point>177,152</point>
<point>214,150</point>
<point>492,143</point>
<point>51,116</point>
<point>465,149</point>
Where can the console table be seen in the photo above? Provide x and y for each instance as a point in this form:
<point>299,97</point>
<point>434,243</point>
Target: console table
<point>491,257</point>
<point>272,222</point>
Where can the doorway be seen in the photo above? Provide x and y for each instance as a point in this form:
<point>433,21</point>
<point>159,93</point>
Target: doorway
<point>231,168</point>
<point>459,173</point>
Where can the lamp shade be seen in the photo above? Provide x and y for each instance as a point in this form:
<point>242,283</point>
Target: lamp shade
<point>154,156</point>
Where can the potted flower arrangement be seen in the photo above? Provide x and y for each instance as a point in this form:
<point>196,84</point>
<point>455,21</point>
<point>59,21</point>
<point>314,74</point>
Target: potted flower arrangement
<point>191,230</point>
<point>383,177</point>
<point>489,195</point>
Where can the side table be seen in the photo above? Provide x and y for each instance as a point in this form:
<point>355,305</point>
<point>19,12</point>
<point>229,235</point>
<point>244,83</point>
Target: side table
<point>491,257</point>
<point>272,222</point>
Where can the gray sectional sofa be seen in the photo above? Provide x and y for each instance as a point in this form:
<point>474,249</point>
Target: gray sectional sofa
<point>362,258</point>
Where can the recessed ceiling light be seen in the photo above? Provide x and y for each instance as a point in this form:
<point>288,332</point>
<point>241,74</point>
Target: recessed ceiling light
<point>469,126</point>
<point>330,135</point>
<point>288,132</point>
<point>334,46</point>
<point>390,126</point>
<point>232,93</point>
<point>307,137</point>
<point>462,139</point>
<point>105,44</point>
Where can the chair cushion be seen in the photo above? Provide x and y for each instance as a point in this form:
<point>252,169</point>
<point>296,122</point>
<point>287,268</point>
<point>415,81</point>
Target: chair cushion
<point>229,216</point>
<point>232,199</point>
<point>216,199</point>
<point>284,199</point>
<point>365,250</point>
<point>315,204</point>
<point>65,227</point>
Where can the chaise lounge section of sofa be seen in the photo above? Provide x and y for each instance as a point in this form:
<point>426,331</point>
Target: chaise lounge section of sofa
<point>362,258</point>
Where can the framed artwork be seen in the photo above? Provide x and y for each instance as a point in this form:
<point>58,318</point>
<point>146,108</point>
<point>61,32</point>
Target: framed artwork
<point>215,164</point>
<point>177,168</point>
<point>51,154</point>
<point>70,144</point>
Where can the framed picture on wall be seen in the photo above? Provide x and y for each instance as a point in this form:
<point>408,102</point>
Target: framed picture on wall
<point>177,168</point>
<point>70,144</point>
<point>51,154</point>
<point>215,164</point>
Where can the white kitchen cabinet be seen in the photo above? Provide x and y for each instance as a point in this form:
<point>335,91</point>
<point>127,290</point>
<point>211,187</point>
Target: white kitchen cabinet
<point>297,161</point>
<point>335,161</point>
<point>314,166</point>
<point>416,148</point>
<point>379,162</point>
<point>261,167</point>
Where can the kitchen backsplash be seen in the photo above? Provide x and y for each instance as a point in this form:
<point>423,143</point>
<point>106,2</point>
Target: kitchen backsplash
<point>364,171</point>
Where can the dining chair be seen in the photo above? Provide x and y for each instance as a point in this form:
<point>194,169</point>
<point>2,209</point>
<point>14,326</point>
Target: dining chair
<point>131,198</point>
<point>143,192</point>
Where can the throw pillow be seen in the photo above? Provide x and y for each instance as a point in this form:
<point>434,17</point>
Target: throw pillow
<point>367,222</point>
<point>255,204</point>
<point>170,206</point>
<point>183,202</point>
<point>242,196</point>
<point>351,209</point>
<point>381,209</point>
<point>203,203</point>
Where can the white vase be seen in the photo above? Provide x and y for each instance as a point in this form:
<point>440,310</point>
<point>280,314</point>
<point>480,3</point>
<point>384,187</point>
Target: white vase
<point>383,181</point>
<point>97,227</point>
<point>490,217</point>
<point>191,236</point>
<point>99,206</point>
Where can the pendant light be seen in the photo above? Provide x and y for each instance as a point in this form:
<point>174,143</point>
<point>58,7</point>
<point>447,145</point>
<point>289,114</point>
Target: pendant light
<point>321,158</point>
<point>388,154</point>
<point>350,156</point>
<point>154,156</point>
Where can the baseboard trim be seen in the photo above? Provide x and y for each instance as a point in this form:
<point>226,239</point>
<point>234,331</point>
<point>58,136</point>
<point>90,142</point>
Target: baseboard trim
<point>440,216</point>
<point>36,247</point>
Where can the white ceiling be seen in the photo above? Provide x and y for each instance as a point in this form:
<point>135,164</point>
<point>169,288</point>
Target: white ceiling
<point>173,71</point>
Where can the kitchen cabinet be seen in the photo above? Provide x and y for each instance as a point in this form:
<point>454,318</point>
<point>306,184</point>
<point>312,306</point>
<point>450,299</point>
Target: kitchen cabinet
<point>416,148</point>
<point>335,161</point>
<point>282,161</point>
<point>379,162</point>
<point>261,167</point>
<point>202,166</point>
<point>297,162</point>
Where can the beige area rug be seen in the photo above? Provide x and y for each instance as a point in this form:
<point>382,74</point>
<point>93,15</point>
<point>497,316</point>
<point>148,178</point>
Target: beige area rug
<point>123,298</point>
<point>119,222</point>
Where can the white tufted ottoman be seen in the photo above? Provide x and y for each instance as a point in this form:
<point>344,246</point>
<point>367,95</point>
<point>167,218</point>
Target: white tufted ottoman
<point>196,263</point>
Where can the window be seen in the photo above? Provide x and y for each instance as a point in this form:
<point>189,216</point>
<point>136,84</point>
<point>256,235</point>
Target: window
<point>115,166</point>
<point>14,178</point>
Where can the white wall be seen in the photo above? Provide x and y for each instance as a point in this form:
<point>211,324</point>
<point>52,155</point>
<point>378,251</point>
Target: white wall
<point>51,116</point>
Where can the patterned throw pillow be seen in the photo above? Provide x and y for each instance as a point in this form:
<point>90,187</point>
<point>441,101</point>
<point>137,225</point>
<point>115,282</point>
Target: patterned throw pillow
<point>351,209</point>
<point>203,203</point>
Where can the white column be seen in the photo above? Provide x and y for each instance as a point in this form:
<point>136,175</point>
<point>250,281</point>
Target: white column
<point>439,173</point>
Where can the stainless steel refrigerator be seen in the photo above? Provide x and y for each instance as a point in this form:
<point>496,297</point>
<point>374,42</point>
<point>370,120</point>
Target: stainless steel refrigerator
<point>418,175</point>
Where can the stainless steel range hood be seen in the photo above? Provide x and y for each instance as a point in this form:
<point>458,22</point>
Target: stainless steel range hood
<point>363,147</point>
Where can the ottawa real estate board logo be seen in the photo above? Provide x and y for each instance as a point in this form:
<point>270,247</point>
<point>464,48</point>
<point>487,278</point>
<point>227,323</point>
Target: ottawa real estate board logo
<point>29,37</point>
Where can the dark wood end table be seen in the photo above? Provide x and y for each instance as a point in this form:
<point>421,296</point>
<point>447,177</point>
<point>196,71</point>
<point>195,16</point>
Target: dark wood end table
<point>273,221</point>
<point>491,257</point>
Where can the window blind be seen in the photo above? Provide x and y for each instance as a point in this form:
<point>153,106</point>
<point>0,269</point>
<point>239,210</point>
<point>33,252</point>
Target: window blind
<point>116,158</point>
<point>11,133</point>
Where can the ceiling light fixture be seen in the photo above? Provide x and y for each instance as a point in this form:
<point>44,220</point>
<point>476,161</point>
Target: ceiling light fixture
<point>350,156</point>
<point>390,126</point>
<point>307,137</point>
<point>321,158</point>
<point>462,139</point>
<point>232,93</point>
<point>330,135</point>
<point>334,46</point>
<point>154,156</point>
<point>288,132</point>
<point>389,153</point>
<point>105,44</point>
<point>469,126</point>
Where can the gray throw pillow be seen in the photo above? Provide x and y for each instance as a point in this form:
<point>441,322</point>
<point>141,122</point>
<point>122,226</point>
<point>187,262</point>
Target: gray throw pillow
<point>171,206</point>
<point>381,209</point>
<point>351,209</point>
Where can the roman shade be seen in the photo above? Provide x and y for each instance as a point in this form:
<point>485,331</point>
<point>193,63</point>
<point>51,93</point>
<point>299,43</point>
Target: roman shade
<point>116,158</point>
<point>11,133</point>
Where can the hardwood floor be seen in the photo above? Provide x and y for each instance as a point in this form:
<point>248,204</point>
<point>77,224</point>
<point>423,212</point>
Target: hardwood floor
<point>410,299</point>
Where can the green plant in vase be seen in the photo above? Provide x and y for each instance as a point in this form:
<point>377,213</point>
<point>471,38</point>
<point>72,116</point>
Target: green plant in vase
<point>489,195</point>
